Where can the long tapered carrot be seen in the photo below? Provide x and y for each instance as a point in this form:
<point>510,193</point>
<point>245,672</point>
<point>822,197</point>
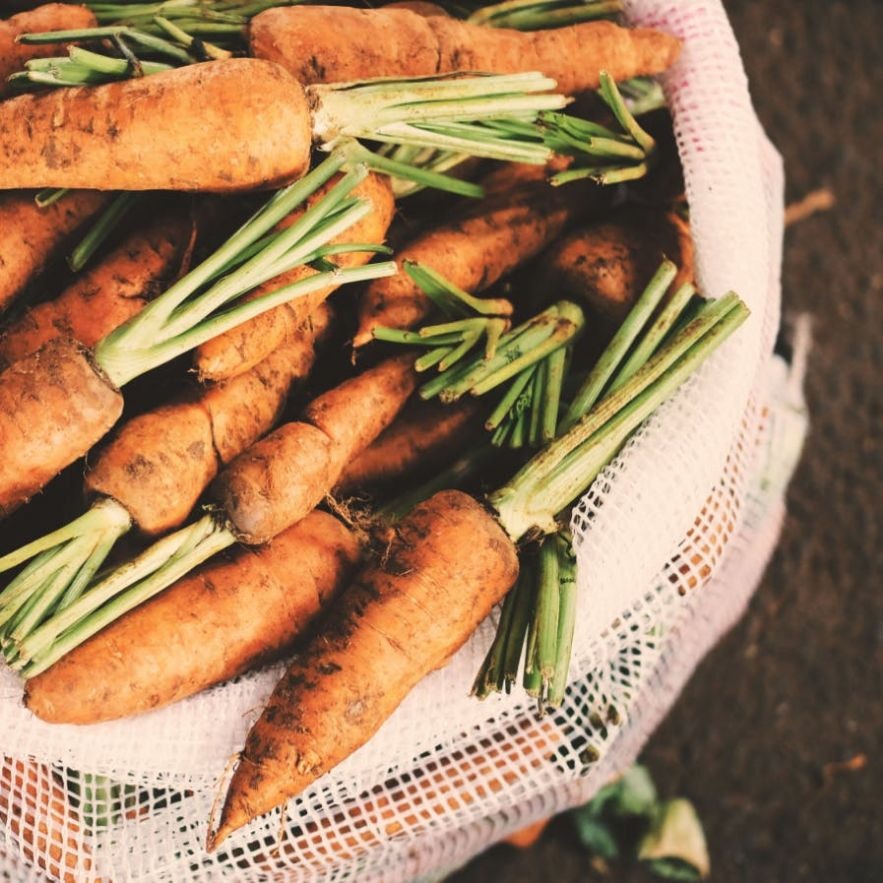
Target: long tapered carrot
<point>285,475</point>
<point>424,434</point>
<point>31,235</point>
<point>105,296</point>
<point>50,17</point>
<point>606,265</point>
<point>475,249</point>
<point>323,44</point>
<point>449,564</point>
<point>159,463</point>
<point>162,132</point>
<point>224,618</point>
<point>244,346</point>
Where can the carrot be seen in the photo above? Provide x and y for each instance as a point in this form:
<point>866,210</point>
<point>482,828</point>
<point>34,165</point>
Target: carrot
<point>174,141</point>
<point>215,623</point>
<point>159,463</point>
<point>38,396</point>
<point>244,346</point>
<point>324,44</point>
<point>420,439</point>
<point>50,17</point>
<point>35,811</point>
<point>448,566</point>
<point>607,265</point>
<point>104,297</point>
<point>474,250</point>
<point>197,118</point>
<point>421,7</point>
<point>284,476</point>
<point>30,235</point>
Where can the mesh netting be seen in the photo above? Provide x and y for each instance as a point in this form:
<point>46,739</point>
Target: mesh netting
<point>448,775</point>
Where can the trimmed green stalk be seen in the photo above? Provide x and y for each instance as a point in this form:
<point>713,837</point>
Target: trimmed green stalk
<point>98,233</point>
<point>531,15</point>
<point>567,598</point>
<point>591,388</point>
<point>563,470</point>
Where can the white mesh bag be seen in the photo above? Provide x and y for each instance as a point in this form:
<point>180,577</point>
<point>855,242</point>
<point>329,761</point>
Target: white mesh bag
<point>671,540</point>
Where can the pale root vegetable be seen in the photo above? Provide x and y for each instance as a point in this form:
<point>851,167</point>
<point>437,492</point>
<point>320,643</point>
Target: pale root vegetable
<point>475,249</point>
<point>217,622</point>
<point>35,810</point>
<point>324,44</point>
<point>30,235</point>
<point>422,438</point>
<point>50,17</point>
<point>159,463</point>
<point>277,481</point>
<point>606,265</point>
<point>245,345</point>
<point>55,403</point>
<point>106,137</point>
<point>446,568</point>
<point>102,298</point>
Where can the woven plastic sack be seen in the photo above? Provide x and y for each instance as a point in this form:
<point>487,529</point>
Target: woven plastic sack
<point>671,540</point>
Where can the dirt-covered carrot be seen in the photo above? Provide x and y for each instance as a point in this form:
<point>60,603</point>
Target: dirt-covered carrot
<point>34,808</point>
<point>320,44</point>
<point>213,624</point>
<point>448,566</point>
<point>50,17</point>
<point>242,347</point>
<point>161,462</point>
<point>420,439</point>
<point>475,249</point>
<point>240,124</point>
<point>49,431</point>
<point>451,560</point>
<point>606,265</point>
<point>105,296</point>
<point>30,235</point>
<point>284,476</point>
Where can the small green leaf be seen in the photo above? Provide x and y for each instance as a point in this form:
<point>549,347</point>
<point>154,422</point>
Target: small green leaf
<point>594,834</point>
<point>673,869</point>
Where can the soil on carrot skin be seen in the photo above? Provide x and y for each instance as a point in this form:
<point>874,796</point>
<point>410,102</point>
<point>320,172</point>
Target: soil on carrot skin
<point>777,737</point>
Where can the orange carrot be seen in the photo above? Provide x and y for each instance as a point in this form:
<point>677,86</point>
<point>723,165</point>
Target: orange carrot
<point>474,250</point>
<point>86,137</point>
<point>105,296</point>
<point>607,264</point>
<point>217,622</point>
<point>244,346</point>
<point>277,481</point>
<point>62,402</point>
<point>50,17</point>
<point>324,44</point>
<point>159,463</point>
<point>447,567</point>
<point>30,235</point>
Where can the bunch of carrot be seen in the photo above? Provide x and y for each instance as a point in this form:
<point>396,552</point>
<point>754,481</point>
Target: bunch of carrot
<point>537,385</point>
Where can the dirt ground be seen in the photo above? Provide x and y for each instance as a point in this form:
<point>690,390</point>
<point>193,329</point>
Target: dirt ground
<point>758,738</point>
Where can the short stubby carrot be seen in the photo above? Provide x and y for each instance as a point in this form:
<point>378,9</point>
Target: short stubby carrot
<point>159,463</point>
<point>475,249</point>
<point>97,136</point>
<point>228,616</point>
<point>277,481</point>
<point>49,17</point>
<point>31,235</point>
<point>245,345</point>
<point>423,436</point>
<point>324,44</point>
<point>61,402</point>
<point>448,566</point>
<point>102,298</point>
<point>606,265</point>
